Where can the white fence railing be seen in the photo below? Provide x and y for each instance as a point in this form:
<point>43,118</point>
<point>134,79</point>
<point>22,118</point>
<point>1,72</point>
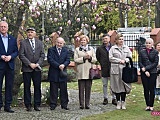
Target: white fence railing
<point>130,39</point>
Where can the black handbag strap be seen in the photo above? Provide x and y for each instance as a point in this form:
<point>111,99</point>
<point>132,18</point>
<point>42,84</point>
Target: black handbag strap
<point>131,62</point>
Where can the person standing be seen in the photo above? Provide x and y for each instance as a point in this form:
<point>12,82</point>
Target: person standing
<point>102,55</point>
<point>58,58</point>
<point>31,53</point>
<point>157,89</point>
<point>84,56</point>
<point>118,57</point>
<point>8,53</point>
<point>148,61</point>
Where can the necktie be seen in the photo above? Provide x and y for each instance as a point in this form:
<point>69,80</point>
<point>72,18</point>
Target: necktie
<point>59,51</point>
<point>33,48</point>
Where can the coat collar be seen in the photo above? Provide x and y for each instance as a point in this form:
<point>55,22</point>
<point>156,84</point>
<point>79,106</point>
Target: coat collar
<point>9,41</point>
<point>62,50</point>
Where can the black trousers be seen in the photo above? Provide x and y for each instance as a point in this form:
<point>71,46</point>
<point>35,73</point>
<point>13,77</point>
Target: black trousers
<point>121,96</point>
<point>54,86</point>
<point>149,88</point>
<point>84,86</point>
<point>9,78</point>
<point>36,78</point>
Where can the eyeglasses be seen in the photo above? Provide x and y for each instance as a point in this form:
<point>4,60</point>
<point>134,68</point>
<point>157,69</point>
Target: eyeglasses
<point>120,39</point>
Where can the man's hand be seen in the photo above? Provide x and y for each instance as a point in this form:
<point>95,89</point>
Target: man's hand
<point>61,67</point>
<point>3,57</point>
<point>33,65</point>
<point>7,58</point>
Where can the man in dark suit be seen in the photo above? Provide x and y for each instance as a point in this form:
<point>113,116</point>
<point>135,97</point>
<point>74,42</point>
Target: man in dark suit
<point>102,55</point>
<point>8,53</point>
<point>31,53</point>
<point>58,58</point>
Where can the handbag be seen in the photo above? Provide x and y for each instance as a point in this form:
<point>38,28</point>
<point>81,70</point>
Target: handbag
<point>94,73</point>
<point>129,73</point>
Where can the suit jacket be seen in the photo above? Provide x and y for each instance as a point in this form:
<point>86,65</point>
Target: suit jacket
<point>149,61</point>
<point>102,56</point>
<point>27,56</point>
<point>54,59</point>
<point>12,50</point>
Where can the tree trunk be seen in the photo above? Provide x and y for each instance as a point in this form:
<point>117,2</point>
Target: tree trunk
<point>18,80</point>
<point>18,76</point>
<point>157,17</point>
<point>121,16</point>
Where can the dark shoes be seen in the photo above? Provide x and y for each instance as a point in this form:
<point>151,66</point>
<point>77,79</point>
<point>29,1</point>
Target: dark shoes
<point>81,107</point>
<point>52,108</point>
<point>87,107</point>
<point>65,108</point>
<point>105,101</point>
<point>114,102</point>
<point>8,110</point>
<point>36,108</point>
<point>28,108</point>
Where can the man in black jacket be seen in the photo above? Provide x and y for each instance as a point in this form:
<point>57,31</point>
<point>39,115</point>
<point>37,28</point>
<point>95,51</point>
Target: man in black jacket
<point>102,55</point>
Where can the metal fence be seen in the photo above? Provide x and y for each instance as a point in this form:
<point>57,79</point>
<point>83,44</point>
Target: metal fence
<point>130,39</point>
<point>135,45</point>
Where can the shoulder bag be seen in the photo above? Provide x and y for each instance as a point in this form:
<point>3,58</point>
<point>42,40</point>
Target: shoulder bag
<point>129,73</point>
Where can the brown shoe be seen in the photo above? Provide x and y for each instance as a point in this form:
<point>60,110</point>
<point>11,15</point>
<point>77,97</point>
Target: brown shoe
<point>105,101</point>
<point>114,102</point>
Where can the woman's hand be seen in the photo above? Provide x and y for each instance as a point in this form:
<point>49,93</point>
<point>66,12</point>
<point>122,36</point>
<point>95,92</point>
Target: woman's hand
<point>122,62</point>
<point>143,69</point>
<point>87,56</point>
<point>147,74</point>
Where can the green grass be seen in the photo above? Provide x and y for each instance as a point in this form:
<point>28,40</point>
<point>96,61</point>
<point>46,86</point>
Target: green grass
<point>135,105</point>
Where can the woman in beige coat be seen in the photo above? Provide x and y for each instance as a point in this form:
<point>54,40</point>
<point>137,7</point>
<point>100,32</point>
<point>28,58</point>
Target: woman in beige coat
<point>84,56</point>
<point>117,57</point>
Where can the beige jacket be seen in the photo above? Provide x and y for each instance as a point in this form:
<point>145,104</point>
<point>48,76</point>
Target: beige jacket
<point>83,66</point>
<point>115,56</point>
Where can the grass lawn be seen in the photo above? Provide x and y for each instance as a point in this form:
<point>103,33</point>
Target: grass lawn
<point>135,105</point>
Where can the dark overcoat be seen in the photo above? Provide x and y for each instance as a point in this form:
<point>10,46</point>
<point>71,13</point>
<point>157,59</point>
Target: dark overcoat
<point>12,50</point>
<point>149,61</point>
<point>55,60</point>
<point>102,56</point>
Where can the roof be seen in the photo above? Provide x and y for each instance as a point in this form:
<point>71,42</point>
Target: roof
<point>155,31</point>
<point>111,32</point>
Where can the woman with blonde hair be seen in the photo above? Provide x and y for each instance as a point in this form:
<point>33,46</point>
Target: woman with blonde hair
<point>84,56</point>
<point>118,57</point>
<point>148,61</point>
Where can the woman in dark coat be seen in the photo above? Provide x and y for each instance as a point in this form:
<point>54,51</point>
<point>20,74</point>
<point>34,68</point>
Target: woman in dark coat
<point>148,61</point>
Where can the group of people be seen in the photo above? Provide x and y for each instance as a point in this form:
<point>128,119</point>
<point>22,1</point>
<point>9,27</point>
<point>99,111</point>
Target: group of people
<point>112,59</point>
<point>31,53</point>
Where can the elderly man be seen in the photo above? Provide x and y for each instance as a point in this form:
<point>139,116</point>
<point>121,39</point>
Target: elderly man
<point>31,53</point>
<point>8,53</point>
<point>58,58</point>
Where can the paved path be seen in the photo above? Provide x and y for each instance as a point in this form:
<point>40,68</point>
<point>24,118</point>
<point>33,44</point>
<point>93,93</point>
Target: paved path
<point>74,113</point>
